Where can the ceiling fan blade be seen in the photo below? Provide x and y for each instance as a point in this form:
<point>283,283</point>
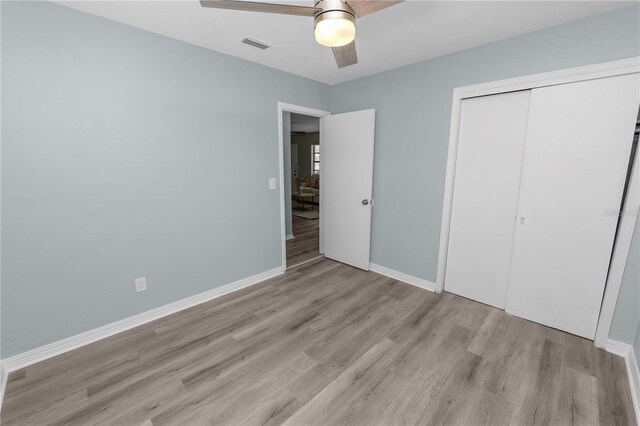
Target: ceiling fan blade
<point>253,6</point>
<point>366,7</point>
<point>345,55</point>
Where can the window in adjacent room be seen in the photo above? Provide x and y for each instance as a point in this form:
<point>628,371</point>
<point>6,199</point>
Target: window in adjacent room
<point>315,159</point>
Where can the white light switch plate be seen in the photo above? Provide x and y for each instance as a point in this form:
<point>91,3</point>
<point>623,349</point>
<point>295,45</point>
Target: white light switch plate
<point>141,284</point>
<point>272,183</point>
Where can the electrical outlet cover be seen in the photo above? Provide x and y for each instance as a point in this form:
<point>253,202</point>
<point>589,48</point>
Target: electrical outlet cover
<point>141,284</point>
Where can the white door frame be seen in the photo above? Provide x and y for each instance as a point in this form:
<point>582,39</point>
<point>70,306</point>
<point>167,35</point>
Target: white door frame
<point>620,254</point>
<point>570,75</point>
<point>285,107</point>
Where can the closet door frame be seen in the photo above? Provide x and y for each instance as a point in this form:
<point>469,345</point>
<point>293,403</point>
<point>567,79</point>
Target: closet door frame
<point>632,203</point>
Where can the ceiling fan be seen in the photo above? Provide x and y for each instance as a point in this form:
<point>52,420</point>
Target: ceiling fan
<point>334,20</point>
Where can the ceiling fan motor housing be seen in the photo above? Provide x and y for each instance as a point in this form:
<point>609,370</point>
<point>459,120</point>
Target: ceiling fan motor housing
<point>333,9</point>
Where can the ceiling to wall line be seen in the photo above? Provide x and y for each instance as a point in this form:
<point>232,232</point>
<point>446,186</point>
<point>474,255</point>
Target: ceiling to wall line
<point>406,33</point>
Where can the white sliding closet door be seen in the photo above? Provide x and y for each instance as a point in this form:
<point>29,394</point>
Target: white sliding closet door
<point>485,197</point>
<point>577,151</point>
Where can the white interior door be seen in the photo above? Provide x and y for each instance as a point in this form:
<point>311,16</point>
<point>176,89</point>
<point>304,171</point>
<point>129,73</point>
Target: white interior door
<point>576,155</point>
<point>347,184</point>
<point>485,197</point>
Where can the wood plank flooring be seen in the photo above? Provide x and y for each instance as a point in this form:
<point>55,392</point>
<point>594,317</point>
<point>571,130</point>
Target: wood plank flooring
<point>306,244</point>
<point>328,344</point>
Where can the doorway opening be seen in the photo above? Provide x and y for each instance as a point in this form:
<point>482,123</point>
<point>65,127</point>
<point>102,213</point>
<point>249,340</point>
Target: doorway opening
<point>341,189</point>
<point>303,206</point>
<point>300,171</point>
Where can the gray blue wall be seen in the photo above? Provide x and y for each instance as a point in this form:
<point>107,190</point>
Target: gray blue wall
<point>129,154</point>
<point>636,345</point>
<point>413,112</point>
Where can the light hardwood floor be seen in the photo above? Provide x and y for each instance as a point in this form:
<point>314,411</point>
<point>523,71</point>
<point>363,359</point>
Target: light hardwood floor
<point>328,344</point>
<point>306,244</point>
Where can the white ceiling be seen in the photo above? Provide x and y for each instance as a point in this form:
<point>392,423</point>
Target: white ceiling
<point>409,32</point>
<point>304,123</point>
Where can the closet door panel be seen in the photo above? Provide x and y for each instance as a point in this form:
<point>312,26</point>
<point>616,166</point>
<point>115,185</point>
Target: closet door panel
<point>577,150</point>
<point>485,197</point>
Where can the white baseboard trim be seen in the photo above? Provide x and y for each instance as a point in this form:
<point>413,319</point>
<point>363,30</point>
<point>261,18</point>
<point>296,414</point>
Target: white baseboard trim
<point>401,276</point>
<point>633,372</point>
<point>617,348</point>
<point>289,237</point>
<point>56,348</point>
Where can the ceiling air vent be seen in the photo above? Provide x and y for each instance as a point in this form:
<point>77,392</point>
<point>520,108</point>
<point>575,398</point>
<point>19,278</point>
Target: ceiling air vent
<point>255,43</point>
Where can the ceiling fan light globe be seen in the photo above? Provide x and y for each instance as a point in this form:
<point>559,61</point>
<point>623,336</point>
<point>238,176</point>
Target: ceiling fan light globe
<point>335,32</point>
